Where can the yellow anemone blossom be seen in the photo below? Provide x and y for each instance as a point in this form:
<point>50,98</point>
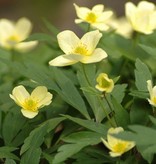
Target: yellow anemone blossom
<point>121,26</point>
<point>152,92</point>
<point>31,103</point>
<point>141,17</point>
<point>104,83</point>
<point>96,17</point>
<point>78,50</point>
<point>117,146</point>
<point>13,33</point>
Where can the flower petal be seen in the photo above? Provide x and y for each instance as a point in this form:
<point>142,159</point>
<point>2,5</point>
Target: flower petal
<point>97,56</point>
<point>149,86</point>
<point>130,9</point>
<point>46,101</point>
<point>143,5</point>
<point>106,144</point>
<point>100,26</point>
<point>29,114</point>
<point>25,46</point>
<point>98,8</point>
<point>104,16</point>
<point>6,28</point>
<point>115,154</point>
<point>78,21</point>
<point>81,11</point>
<point>62,60</point>
<point>42,96</point>
<point>19,94</point>
<point>67,41</point>
<point>23,28</point>
<point>91,39</point>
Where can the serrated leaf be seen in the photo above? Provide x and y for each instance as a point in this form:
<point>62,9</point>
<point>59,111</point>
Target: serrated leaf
<point>142,74</point>
<point>139,115</point>
<point>70,93</point>
<point>66,151</point>
<point>121,115</point>
<point>86,76</point>
<point>89,124</point>
<point>36,137</point>
<point>119,92</point>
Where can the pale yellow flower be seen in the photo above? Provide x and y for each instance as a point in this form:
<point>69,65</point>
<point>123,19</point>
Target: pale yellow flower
<point>121,26</point>
<point>141,17</point>
<point>117,146</point>
<point>96,17</point>
<point>78,50</point>
<point>31,103</point>
<point>13,33</point>
<point>104,83</point>
<point>152,92</point>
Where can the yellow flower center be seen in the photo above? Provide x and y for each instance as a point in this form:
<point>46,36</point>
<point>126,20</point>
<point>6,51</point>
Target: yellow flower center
<point>120,147</point>
<point>91,17</point>
<point>154,100</point>
<point>104,83</point>
<point>12,40</point>
<point>81,50</point>
<point>30,104</point>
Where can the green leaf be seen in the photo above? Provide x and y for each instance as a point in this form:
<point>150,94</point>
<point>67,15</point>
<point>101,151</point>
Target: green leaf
<point>147,152</point>
<point>86,76</point>
<point>32,156</point>
<point>13,121</point>
<point>38,37</point>
<point>150,50</point>
<point>142,74</point>
<point>36,137</point>
<point>90,138</point>
<point>66,151</point>
<point>121,115</point>
<point>78,141</point>
<point>89,124</point>
<point>70,93</point>
<point>9,161</point>
<point>139,115</point>
<point>153,119</point>
<point>139,94</point>
<point>119,92</point>
<point>5,152</point>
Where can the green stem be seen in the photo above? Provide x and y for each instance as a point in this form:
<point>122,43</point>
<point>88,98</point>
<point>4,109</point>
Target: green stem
<point>88,29</point>
<point>99,99</point>
<point>84,72</point>
<point>107,115</point>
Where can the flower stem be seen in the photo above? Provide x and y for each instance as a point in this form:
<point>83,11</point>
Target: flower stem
<point>99,99</point>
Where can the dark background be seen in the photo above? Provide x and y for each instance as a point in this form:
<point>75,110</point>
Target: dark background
<point>60,13</point>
